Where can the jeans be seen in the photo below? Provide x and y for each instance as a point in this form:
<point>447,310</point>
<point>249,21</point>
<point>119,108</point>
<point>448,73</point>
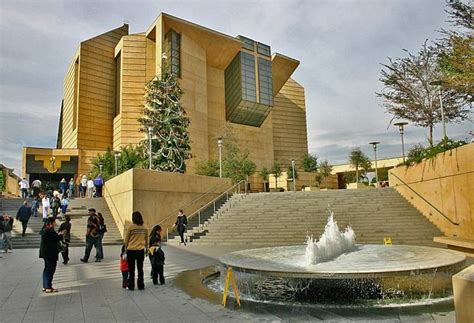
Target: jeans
<point>90,241</point>
<point>24,224</point>
<point>157,271</point>
<point>137,256</point>
<point>24,193</point>
<point>181,234</point>
<point>100,246</point>
<point>7,241</point>
<point>48,272</point>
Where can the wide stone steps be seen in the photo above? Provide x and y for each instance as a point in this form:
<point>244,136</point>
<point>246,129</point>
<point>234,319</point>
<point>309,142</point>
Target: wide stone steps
<point>269,219</point>
<point>77,210</point>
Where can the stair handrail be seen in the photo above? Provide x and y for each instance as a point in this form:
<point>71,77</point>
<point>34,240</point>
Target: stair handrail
<point>425,200</point>
<point>213,201</point>
<point>210,191</point>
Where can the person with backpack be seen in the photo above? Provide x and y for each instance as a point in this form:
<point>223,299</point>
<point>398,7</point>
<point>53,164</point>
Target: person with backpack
<point>157,258</point>
<point>7,233</point>
<point>102,231</point>
<point>23,215</point>
<point>92,237</point>
<point>66,228</point>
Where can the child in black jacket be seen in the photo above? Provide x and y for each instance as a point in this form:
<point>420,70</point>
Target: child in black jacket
<point>157,258</point>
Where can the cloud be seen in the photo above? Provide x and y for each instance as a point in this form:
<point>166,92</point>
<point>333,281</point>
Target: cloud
<point>340,45</point>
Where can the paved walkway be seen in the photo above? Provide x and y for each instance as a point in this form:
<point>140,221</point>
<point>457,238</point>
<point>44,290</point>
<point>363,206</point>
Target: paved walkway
<point>93,293</point>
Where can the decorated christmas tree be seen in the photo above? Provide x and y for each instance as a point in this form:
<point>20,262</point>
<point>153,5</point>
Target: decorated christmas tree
<point>165,115</point>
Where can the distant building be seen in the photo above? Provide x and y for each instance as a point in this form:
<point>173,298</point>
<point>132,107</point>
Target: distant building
<point>229,83</point>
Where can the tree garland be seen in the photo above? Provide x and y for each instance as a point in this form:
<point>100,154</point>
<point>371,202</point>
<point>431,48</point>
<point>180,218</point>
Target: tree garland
<point>164,113</point>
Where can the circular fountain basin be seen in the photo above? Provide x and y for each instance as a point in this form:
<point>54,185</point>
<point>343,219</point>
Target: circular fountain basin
<point>364,261</point>
<point>370,272</point>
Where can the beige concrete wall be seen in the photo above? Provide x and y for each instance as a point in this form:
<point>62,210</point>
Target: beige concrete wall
<point>158,195</point>
<point>447,182</point>
<point>11,182</point>
<point>132,49</point>
<point>97,90</point>
<point>289,124</point>
<point>304,179</point>
<point>70,104</point>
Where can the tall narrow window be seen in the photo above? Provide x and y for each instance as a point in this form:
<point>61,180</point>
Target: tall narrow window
<point>118,79</point>
<point>75,93</point>
<point>172,63</point>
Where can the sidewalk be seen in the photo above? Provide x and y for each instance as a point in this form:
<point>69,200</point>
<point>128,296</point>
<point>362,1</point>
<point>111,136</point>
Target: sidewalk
<point>92,292</point>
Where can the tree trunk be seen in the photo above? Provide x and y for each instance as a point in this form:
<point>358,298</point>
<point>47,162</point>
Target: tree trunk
<point>430,139</point>
<point>276,183</point>
<point>357,174</point>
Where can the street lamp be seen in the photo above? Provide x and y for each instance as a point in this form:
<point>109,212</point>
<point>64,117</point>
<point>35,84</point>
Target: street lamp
<point>293,168</point>
<point>401,126</point>
<point>439,83</point>
<point>116,156</point>
<point>150,133</point>
<point>101,166</point>
<point>374,145</point>
<point>219,145</point>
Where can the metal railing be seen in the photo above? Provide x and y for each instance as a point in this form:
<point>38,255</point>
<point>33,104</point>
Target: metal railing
<point>232,189</point>
<point>425,200</point>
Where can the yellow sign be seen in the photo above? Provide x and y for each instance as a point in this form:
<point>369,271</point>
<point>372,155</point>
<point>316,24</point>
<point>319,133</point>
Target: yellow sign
<point>228,280</point>
<point>387,241</point>
<point>52,163</point>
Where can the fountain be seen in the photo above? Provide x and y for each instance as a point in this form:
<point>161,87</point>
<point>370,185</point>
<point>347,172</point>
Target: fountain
<point>335,269</point>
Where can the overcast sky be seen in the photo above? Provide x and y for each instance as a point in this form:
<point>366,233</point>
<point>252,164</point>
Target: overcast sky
<point>340,45</point>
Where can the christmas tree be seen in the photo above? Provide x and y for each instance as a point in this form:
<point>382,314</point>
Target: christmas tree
<point>165,115</point>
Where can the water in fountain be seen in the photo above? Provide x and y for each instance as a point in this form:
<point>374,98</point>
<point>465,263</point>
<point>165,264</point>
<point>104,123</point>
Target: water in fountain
<point>330,245</point>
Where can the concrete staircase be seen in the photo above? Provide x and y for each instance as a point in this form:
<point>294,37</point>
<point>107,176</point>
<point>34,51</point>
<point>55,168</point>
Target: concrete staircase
<point>77,210</point>
<point>270,219</point>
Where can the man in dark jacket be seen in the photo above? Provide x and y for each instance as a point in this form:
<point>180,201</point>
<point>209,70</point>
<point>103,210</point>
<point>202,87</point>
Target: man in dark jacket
<point>49,249</point>
<point>23,215</point>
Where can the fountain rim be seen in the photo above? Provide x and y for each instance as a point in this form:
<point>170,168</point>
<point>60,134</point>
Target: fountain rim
<point>348,274</point>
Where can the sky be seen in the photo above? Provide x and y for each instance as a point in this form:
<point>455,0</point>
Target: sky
<point>340,44</point>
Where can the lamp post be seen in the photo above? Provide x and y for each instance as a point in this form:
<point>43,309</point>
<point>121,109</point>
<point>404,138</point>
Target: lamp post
<point>401,126</point>
<point>438,84</point>
<point>293,169</point>
<point>374,145</point>
<point>150,133</point>
<point>101,166</point>
<point>219,146</point>
<point>116,156</point>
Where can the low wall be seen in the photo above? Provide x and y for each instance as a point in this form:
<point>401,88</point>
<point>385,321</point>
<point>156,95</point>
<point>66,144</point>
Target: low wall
<point>158,195</point>
<point>447,182</point>
<point>11,186</point>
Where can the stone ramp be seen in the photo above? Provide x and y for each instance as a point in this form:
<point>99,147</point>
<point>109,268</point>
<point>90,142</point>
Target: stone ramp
<point>77,210</point>
<point>272,219</point>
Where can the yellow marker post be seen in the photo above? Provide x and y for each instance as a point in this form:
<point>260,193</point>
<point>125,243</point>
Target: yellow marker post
<point>387,241</point>
<point>228,280</point>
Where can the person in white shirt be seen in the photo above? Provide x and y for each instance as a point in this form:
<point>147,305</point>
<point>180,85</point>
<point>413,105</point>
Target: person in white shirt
<point>83,186</point>
<point>24,186</point>
<point>45,204</point>
<point>90,188</point>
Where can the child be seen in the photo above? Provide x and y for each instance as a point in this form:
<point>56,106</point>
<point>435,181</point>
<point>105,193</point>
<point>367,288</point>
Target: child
<point>157,258</point>
<point>124,267</point>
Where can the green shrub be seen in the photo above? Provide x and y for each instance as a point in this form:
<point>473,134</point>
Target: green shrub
<point>419,153</point>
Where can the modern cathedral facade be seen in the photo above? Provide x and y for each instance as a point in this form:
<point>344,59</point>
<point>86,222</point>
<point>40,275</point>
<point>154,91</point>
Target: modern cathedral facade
<point>231,85</point>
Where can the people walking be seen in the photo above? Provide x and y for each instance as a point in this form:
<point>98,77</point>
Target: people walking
<point>23,215</point>
<point>34,207</point>
<point>66,228</point>
<point>155,235</point>
<point>98,183</point>
<point>83,185</point>
<point>64,204</point>
<point>24,186</point>
<point>180,224</point>
<point>45,206</point>
<point>136,243</point>
<point>90,188</point>
<point>55,205</point>
<point>72,187</point>
<point>49,249</point>
<point>102,231</point>
<point>36,187</point>
<point>7,233</point>
<point>63,186</point>
<point>92,237</point>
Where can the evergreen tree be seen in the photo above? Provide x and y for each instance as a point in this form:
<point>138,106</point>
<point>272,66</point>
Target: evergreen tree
<point>164,113</point>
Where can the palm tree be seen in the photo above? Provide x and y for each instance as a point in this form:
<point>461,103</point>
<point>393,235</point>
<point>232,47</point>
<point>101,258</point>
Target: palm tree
<point>359,161</point>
